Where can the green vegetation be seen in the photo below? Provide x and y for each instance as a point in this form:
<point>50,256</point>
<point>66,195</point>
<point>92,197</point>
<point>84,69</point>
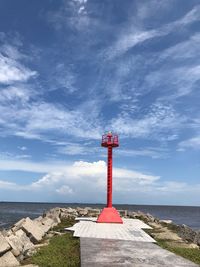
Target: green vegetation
<point>181,249</point>
<point>192,254</point>
<point>142,218</point>
<point>62,250</point>
<point>171,226</point>
<point>68,222</point>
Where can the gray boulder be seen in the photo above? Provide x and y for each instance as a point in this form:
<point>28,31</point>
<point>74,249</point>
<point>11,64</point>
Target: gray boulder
<point>9,232</point>
<point>123,213</point>
<point>38,219</point>
<point>82,212</point>
<point>4,246</point>
<point>68,212</point>
<point>197,238</point>
<point>55,212</point>
<point>16,244</point>
<point>33,230</point>
<point>8,260</point>
<point>186,233</point>
<point>27,244</point>
<point>47,223</point>
<point>93,212</point>
<point>18,225</point>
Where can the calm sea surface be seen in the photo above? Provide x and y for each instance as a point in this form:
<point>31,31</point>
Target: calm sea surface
<point>11,212</point>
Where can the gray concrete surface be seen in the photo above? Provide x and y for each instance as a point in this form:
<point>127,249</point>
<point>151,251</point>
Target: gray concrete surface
<point>98,252</point>
<point>131,229</point>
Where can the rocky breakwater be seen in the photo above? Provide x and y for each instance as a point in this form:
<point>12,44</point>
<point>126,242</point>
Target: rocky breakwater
<point>167,230</point>
<point>26,236</point>
<point>21,240</point>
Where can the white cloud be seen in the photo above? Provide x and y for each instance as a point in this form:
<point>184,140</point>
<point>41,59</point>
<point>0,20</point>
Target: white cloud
<point>75,149</point>
<point>80,181</point>
<point>179,80</point>
<point>63,78</point>
<point>15,94</point>
<point>13,71</point>
<point>147,152</point>
<point>9,185</point>
<point>64,190</point>
<point>127,41</point>
<point>86,182</point>
<point>7,164</point>
<point>183,50</point>
<point>193,143</point>
<point>11,51</point>
<point>134,36</point>
<point>14,156</point>
<point>78,171</point>
<point>71,14</point>
<point>159,120</point>
<point>40,120</point>
<point>150,9</point>
<point>23,148</point>
<point>192,16</point>
<point>173,186</point>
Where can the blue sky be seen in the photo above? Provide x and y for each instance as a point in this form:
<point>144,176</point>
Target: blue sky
<point>71,70</point>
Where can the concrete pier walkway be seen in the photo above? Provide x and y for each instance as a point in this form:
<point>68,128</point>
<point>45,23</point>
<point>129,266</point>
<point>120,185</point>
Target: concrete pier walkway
<point>100,252</point>
<point>114,245</point>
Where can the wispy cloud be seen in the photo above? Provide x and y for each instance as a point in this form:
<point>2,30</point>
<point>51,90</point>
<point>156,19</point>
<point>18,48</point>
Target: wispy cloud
<point>130,40</point>
<point>70,148</point>
<point>62,78</point>
<point>72,14</point>
<point>64,190</point>
<point>11,65</point>
<point>12,71</point>
<point>6,156</point>
<point>133,36</point>
<point>10,186</point>
<point>192,143</point>
<point>23,148</point>
<point>154,153</point>
<point>186,49</point>
<point>36,119</point>
<point>161,119</point>
<point>16,94</point>
<point>27,111</point>
<point>180,80</point>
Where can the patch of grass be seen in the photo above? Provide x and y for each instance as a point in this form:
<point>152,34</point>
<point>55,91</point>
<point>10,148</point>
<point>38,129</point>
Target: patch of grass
<point>192,254</point>
<point>142,218</point>
<point>152,231</point>
<point>171,226</point>
<point>68,222</point>
<point>62,251</point>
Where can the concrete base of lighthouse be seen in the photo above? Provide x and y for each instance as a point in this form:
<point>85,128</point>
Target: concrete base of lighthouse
<point>109,215</point>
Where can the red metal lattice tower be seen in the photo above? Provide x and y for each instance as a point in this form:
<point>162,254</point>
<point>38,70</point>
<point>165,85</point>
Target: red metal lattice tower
<point>109,214</point>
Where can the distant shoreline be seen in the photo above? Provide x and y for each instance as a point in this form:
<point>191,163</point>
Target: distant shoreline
<point>89,203</point>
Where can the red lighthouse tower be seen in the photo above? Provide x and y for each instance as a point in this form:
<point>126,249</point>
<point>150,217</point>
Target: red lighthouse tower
<point>109,214</point>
